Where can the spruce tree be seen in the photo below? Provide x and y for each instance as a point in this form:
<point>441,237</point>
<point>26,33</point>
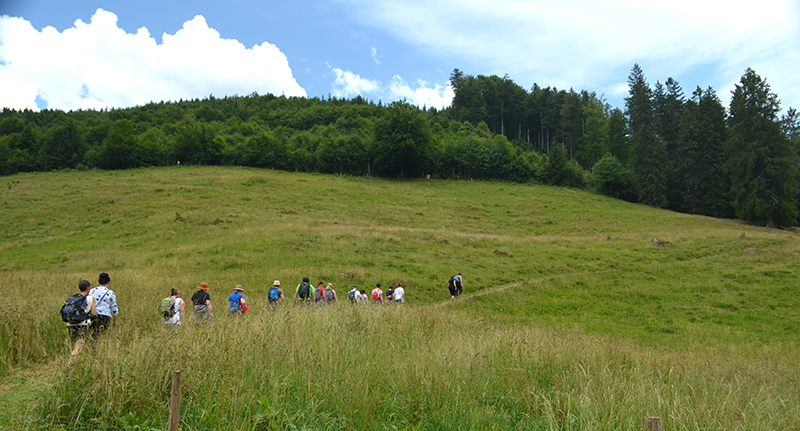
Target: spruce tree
<point>649,155</point>
<point>763,165</point>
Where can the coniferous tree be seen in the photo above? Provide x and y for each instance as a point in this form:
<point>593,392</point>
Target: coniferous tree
<point>618,144</point>
<point>649,155</point>
<point>701,178</point>
<point>763,166</point>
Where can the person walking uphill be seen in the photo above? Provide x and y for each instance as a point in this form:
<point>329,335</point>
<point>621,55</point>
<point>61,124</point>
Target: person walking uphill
<point>106,304</point>
<point>237,302</point>
<point>176,307</point>
<point>78,311</point>
<point>275,294</point>
<point>459,283</point>
<point>201,301</point>
<point>330,294</point>
<point>377,294</point>
<point>305,291</point>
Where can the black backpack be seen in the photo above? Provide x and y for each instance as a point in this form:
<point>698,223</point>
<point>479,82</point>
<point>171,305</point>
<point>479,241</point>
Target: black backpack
<point>351,295</point>
<point>303,290</point>
<point>452,282</point>
<point>74,309</point>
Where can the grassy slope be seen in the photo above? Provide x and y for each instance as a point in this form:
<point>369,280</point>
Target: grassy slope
<point>575,260</point>
<point>584,260</point>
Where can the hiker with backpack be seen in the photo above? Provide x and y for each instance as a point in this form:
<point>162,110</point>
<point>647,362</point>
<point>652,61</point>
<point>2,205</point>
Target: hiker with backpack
<point>172,308</point>
<point>361,296</point>
<point>390,295</point>
<point>106,304</point>
<point>77,312</point>
<point>330,294</point>
<point>377,294</point>
<point>352,295</point>
<point>275,294</point>
<point>305,292</point>
<point>319,294</point>
<point>201,302</point>
<point>237,302</point>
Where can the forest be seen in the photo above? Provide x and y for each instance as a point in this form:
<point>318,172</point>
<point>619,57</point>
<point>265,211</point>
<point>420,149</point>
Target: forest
<point>665,149</point>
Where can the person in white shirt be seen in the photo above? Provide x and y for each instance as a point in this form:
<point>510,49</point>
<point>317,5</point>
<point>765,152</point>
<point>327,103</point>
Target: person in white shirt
<point>399,294</point>
<point>178,307</point>
<point>106,303</point>
<point>361,297</point>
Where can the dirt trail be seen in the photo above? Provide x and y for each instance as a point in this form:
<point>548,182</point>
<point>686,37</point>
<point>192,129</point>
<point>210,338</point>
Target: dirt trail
<point>508,286</point>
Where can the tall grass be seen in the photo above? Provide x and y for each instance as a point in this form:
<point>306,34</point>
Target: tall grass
<point>369,367</point>
<point>596,329</point>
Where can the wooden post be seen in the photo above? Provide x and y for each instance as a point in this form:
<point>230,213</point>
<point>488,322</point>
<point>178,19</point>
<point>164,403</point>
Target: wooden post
<point>175,402</point>
<point>654,424</point>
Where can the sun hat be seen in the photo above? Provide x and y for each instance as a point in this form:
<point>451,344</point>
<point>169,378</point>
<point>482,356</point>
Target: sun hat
<point>276,283</point>
<point>238,288</point>
<point>203,286</point>
<point>329,286</point>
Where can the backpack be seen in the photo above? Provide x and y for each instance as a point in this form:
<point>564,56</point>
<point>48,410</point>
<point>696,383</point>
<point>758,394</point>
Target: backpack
<point>351,295</point>
<point>74,309</point>
<point>329,295</point>
<point>452,282</point>
<point>167,307</point>
<point>272,296</point>
<point>375,295</point>
<point>236,301</point>
<point>303,289</point>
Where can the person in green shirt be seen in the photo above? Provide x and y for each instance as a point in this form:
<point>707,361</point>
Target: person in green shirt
<point>305,291</point>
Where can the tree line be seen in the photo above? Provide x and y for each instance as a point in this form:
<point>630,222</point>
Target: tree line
<point>688,154</point>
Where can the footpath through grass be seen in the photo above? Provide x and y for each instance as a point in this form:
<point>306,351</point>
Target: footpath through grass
<point>596,328</point>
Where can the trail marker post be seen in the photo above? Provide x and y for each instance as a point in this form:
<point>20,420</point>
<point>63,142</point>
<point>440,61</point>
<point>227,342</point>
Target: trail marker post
<point>175,402</point>
<point>654,424</point>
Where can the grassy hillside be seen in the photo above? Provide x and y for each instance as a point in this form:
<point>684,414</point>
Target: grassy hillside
<point>571,317</point>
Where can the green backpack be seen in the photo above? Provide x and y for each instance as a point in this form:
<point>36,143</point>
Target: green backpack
<point>167,307</point>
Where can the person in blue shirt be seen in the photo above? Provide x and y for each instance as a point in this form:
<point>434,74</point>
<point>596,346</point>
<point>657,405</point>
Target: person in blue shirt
<point>236,300</point>
<point>459,285</point>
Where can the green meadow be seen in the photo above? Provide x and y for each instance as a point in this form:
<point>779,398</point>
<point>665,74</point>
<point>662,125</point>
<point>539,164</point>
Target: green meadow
<point>571,319</point>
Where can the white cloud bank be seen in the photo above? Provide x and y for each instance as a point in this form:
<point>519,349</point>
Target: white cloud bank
<point>348,84</point>
<point>99,65</point>
<point>593,44</point>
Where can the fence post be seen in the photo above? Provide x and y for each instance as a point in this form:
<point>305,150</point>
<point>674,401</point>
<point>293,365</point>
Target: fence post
<point>175,402</point>
<point>654,424</point>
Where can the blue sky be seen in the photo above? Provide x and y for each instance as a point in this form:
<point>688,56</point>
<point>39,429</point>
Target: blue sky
<point>93,54</point>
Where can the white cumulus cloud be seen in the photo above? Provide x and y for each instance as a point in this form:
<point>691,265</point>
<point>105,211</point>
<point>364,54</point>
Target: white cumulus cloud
<point>98,64</point>
<point>347,84</point>
<point>593,44</point>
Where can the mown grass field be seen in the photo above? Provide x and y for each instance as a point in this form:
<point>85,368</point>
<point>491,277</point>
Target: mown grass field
<point>571,319</point>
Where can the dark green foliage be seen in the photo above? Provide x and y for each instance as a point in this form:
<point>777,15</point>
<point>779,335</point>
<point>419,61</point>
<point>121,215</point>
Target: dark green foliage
<point>672,152</point>
<point>119,148</point>
<point>612,178</point>
<point>649,154</point>
<point>403,142</point>
<point>763,165</point>
<point>700,156</point>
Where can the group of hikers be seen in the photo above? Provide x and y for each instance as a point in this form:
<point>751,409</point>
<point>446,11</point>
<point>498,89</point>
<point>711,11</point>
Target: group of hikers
<point>305,294</point>
<point>90,312</point>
